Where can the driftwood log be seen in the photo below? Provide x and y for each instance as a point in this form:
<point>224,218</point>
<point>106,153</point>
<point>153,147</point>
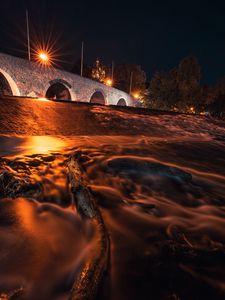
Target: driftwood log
<point>88,280</point>
<point>13,295</point>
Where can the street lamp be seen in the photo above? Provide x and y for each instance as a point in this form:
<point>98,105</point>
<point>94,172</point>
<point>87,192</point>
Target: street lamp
<point>109,82</point>
<point>136,95</point>
<point>43,57</point>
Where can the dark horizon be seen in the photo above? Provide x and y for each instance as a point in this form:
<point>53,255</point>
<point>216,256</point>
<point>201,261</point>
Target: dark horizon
<point>156,36</point>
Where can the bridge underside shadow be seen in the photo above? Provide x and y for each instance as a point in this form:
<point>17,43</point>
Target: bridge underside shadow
<point>5,88</point>
<point>58,91</point>
<point>122,102</point>
<point>98,98</point>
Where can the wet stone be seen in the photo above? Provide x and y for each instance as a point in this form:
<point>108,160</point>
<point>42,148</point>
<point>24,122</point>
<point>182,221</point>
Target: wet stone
<point>35,163</point>
<point>48,158</point>
<point>19,166</point>
<point>138,169</point>
<point>14,186</point>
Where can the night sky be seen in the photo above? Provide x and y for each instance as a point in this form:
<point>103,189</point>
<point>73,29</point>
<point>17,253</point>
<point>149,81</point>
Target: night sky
<point>154,34</point>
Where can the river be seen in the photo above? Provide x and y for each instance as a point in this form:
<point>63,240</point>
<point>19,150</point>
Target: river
<point>158,179</point>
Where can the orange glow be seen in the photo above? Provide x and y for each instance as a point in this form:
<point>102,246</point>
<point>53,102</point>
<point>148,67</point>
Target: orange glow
<point>109,82</point>
<point>42,99</point>
<point>43,57</point>
<point>41,144</point>
<point>192,109</point>
<point>136,95</point>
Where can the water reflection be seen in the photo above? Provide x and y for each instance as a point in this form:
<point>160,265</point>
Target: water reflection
<point>42,248</point>
<point>42,144</point>
<point>43,99</point>
<point>30,145</point>
<point>162,201</point>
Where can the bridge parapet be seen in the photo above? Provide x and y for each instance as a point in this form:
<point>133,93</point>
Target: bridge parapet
<point>31,79</point>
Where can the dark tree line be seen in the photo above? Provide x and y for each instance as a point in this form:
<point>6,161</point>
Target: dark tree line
<point>128,76</point>
<point>123,74</point>
<point>178,89</point>
<point>214,97</point>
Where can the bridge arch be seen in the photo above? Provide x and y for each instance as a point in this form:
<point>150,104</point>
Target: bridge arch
<point>59,89</point>
<point>7,85</point>
<point>122,102</point>
<point>98,97</point>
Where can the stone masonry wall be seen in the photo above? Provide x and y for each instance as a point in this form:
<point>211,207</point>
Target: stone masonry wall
<point>33,79</point>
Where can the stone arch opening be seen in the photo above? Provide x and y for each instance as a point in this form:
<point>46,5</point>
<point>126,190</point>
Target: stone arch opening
<point>58,91</point>
<point>122,102</point>
<point>98,97</point>
<point>8,86</point>
<point>5,88</point>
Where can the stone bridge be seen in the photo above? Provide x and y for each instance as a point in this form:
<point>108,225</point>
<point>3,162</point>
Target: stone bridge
<point>20,77</point>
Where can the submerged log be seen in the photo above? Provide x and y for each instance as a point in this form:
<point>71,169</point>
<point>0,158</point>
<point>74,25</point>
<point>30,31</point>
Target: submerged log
<point>13,295</point>
<point>88,280</point>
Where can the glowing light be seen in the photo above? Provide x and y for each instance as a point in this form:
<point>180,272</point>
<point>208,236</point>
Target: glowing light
<point>192,109</point>
<point>42,99</point>
<point>43,57</point>
<point>109,82</point>
<point>136,95</point>
<point>41,144</point>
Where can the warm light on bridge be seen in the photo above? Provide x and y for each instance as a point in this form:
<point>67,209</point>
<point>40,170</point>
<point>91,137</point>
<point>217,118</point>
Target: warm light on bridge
<point>109,82</point>
<point>136,95</point>
<point>43,57</point>
<point>43,99</point>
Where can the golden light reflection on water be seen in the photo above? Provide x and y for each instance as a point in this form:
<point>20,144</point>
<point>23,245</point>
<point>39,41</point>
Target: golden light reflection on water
<point>25,210</point>
<point>29,145</point>
<point>42,99</point>
<point>41,144</point>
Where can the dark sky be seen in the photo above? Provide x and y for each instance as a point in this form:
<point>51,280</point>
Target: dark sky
<point>154,34</point>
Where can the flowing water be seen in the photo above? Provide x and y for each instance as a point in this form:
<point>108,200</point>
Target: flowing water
<point>161,195</point>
